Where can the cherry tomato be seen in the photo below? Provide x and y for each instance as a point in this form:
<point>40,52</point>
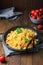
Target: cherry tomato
<point>2,58</point>
<point>33,17</point>
<point>39,18</point>
<point>41,9</point>
<point>37,11</point>
<point>39,26</point>
<point>32,12</point>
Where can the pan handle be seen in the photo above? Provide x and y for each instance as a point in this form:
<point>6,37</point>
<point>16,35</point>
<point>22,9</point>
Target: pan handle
<point>1,35</point>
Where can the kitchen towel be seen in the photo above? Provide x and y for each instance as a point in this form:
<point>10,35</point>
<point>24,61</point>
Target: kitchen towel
<point>9,13</point>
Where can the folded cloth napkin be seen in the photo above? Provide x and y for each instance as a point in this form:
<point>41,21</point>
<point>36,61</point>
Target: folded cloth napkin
<point>9,52</point>
<point>9,13</point>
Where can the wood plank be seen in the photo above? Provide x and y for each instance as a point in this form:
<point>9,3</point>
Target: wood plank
<point>21,4</point>
<point>37,59</point>
<point>26,59</point>
<point>13,60</point>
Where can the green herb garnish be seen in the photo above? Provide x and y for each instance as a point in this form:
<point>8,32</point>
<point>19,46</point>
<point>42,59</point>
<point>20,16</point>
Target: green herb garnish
<point>26,40</point>
<point>19,30</point>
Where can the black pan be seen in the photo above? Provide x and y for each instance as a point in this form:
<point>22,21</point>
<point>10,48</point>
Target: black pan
<point>13,28</point>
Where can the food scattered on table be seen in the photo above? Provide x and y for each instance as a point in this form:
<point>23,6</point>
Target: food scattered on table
<point>19,38</point>
<point>2,58</point>
<point>39,27</point>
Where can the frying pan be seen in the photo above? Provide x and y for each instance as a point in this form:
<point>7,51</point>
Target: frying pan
<point>3,38</point>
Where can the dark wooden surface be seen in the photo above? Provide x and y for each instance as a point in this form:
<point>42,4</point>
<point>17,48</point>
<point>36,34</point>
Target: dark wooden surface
<point>26,59</point>
<point>21,4</point>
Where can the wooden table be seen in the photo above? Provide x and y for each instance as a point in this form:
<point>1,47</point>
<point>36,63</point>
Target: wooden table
<point>26,59</point>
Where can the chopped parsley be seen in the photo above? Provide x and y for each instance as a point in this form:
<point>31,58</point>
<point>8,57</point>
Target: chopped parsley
<point>26,40</point>
<point>19,30</point>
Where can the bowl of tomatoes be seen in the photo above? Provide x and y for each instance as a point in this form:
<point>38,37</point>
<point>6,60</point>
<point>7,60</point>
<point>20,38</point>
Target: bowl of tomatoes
<point>36,16</point>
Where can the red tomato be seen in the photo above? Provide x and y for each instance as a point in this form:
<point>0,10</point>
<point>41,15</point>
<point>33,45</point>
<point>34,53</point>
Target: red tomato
<point>2,58</point>
<point>34,17</point>
<point>37,11</point>
<point>32,12</point>
<point>41,9</point>
<point>39,26</point>
<point>38,18</point>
